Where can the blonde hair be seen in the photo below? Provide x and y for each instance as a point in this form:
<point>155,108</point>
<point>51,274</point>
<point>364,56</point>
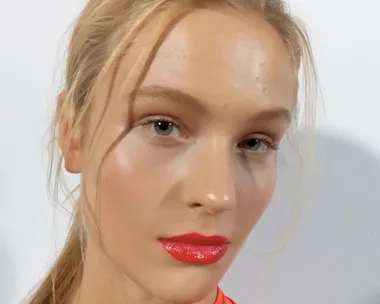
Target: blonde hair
<point>103,33</point>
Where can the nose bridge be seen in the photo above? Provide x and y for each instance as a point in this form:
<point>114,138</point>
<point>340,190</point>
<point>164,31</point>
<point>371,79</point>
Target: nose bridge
<point>211,177</point>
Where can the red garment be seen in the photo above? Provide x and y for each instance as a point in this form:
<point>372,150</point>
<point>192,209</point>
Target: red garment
<point>222,299</point>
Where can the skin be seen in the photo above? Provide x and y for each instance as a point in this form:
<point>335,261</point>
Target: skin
<point>212,171</point>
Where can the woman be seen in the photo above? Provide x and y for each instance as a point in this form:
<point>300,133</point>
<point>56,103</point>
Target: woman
<point>172,113</point>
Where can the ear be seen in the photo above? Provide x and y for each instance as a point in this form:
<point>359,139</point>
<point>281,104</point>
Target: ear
<point>69,140</point>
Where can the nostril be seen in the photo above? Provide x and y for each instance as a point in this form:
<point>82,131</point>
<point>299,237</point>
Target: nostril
<point>196,205</point>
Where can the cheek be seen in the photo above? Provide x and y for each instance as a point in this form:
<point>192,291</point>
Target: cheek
<point>130,189</point>
<point>253,198</point>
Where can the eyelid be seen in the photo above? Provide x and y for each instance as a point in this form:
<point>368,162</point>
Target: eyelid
<point>182,131</point>
<point>155,118</point>
<point>267,140</point>
<point>260,136</point>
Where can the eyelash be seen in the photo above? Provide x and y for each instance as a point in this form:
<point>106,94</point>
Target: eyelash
<point>269,145</point>
<point>150,122</point>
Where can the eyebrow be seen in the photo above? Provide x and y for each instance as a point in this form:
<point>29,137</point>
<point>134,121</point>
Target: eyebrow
<point>278,113</point>
<point>174,95</point>
<point>190,101</point>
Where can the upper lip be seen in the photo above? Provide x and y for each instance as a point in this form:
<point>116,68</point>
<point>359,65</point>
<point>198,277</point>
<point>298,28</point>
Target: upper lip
<point>197,239</point>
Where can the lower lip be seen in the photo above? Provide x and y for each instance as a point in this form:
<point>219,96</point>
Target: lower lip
<point>195,254</point>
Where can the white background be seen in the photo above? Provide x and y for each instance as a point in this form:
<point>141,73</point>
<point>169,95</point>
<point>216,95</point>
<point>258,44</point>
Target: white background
<point>332,256</point>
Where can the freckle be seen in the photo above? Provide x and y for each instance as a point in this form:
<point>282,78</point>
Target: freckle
<point>223,105</point>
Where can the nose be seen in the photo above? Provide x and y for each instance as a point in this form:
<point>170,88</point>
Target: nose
<point>209,184</point>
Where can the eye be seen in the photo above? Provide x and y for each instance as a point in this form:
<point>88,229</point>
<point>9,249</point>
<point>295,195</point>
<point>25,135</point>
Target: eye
<point>255,144</point>
<point>163,127</point>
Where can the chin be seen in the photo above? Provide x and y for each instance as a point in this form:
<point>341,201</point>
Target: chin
<point>186,286</point>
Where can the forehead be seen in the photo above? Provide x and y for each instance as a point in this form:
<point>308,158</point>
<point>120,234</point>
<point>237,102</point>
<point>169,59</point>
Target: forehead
<point>224,58</point>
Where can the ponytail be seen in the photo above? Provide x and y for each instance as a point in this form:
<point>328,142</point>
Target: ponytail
<point>66,273</point>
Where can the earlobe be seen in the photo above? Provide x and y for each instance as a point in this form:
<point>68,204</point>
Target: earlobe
<point>71,159</point>
<point>69,140</point>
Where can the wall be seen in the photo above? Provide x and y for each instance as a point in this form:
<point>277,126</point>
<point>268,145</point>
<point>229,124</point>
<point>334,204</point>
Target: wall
<point>332,255</point>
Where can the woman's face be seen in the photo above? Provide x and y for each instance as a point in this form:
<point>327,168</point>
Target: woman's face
<point>200,158</point>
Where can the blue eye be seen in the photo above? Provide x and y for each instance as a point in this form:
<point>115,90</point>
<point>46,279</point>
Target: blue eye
<point>256,144</point>
<point>163,127</point>
<point>252,144</point>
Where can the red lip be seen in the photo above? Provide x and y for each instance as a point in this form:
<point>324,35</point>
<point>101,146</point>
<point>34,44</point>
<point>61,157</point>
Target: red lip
<point>194,248</point>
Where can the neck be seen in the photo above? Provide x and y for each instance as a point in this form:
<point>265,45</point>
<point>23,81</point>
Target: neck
<point>103,283</point>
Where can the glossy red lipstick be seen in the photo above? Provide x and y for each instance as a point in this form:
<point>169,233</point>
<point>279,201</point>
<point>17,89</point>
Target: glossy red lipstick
<point>194,248</point>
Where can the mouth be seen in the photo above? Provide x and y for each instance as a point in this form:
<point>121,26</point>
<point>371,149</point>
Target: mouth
<point>195,248</point>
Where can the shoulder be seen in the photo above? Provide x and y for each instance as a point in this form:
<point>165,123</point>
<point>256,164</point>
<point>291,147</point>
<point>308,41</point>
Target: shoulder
<point>223,299</point>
